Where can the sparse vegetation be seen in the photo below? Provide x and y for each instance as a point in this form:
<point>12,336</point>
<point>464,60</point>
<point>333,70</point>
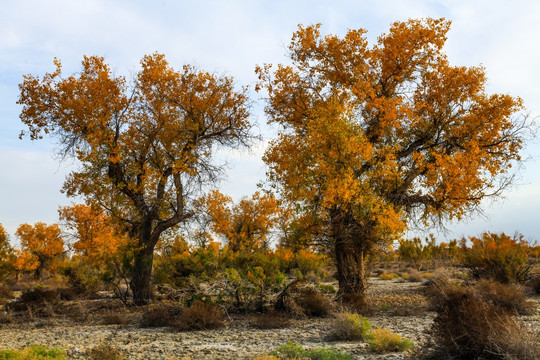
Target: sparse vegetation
<point>292,350</point>
<point>199,316</point>
<point>468,326</point>
<point>272,320</point>
<point>349,326</point>
<point>33,352</point>
<point>105,352</point>
<point>383,340</point>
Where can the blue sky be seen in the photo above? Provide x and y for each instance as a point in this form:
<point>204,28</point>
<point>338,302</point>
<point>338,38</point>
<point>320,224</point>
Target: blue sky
<point>230,37</point>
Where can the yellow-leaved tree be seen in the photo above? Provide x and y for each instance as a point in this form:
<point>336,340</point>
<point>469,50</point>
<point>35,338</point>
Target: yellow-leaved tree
<point>376,137</point>
<point>41,244</point>
<point>145,147</point>
<point>6,253</point>
<point>245,225</point>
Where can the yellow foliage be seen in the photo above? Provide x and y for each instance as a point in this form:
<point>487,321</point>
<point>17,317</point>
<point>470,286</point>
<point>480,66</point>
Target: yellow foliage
<point>372,136</point>
<point>97,238</point>
<point>245,225</point>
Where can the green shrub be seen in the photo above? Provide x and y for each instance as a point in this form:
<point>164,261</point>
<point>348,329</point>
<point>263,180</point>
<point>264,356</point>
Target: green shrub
<point>383,340</point>
<point>326,288</point>
<point>292,350</point>
<point>33,352</point>
<point>83,278</point>
<point>349,326</point>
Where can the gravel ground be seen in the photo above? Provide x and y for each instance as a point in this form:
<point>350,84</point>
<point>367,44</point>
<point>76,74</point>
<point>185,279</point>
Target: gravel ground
<point>237,340</point>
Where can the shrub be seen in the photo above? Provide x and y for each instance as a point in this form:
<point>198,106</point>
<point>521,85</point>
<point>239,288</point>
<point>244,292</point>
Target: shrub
<point>314,303</point>
<point>5,318</point>
<point>292,350</point>
<point>415,276</point>
<point>326,288</point>
<point>5,292</point>
<point>114,319</point>
<point>159,316</point>
<point>105,352</point>
<point>199,316</point>
<point>467,326</point>
<point>272,320</point>
<point>498,257</point>
<point>349,326</point>
<point>507,296</point>
<point>534,283</point>
<point>388,276</point>
<point>33,352</point>
<point>38,300</point>
<point>82,278</point>
<point>383,340</point>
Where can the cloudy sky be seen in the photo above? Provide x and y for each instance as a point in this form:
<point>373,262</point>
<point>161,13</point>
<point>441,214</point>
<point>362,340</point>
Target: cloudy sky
<point>230,37</point>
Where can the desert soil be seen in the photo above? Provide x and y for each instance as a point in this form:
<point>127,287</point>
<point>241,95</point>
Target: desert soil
<point>238,339</point>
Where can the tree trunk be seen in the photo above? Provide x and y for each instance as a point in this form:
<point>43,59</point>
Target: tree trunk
<point>141,276</point>
<point>350,263</point>
<point>37,272</point>
<point>142,266</point>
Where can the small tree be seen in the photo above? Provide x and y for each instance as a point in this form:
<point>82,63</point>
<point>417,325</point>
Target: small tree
<point>6,253</point>
<point>246,225</point>
<point>375,138</point>
<point>102,248</point>
<point>145,148</point>
<point>42,242</point>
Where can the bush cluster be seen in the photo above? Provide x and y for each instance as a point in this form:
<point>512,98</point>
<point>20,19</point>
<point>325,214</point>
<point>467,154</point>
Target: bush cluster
<point>498,257</point>
<point>245,281</point>
<point>470,324</point>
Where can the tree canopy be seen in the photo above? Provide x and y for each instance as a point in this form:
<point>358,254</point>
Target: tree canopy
<point>375,137</point>
<point>144,147</point>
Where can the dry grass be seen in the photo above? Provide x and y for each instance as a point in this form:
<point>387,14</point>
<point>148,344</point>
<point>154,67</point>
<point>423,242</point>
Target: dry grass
<point>313,303</point>
<point>467,326</point>
<point>5,318</point>
<point>507,296</point>
<point>415,276</point>
<point>105,352</point>
<point>400,304</point>
<point>114,319</point>
<point>160,315</point>
<point>200,316</point>
<point>272,320</point>
<point>5,292</point>
<point>37,301</point>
